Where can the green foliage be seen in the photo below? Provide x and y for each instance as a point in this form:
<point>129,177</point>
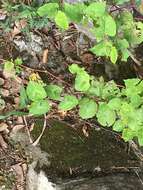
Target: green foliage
<point>82,80</point>
<point>12,67</point>
<point>39,107</point>
<point>110,26</point>
<point>105,115</point>
<point>113,55</point>
<point>61,20</point>
<point>9,69</point>
<point>23,98</point>
<point>48,9</point>
<point>35,91</point>
<point>17,63</point>
<point>121,109</point>
<point>96,10</point>
<point>111,106</point>
<point>34,98</point>
<point>87,108</point>
<point>116,33</point>
<point>74,12</point>
<point>53,91</point>
<point>68,103</point>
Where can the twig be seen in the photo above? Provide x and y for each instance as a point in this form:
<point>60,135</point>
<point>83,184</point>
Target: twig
<point>49,73</point>
<point>137,62</point>
<point>28,132</point>
<point>118,8</point>
<point>136,150</point>
<point>137,173</point>
<point>44,127</point>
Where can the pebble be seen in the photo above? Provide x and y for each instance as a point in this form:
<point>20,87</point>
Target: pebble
<point>3,127</point>
<point>1,81</point>
<point>4,92</point>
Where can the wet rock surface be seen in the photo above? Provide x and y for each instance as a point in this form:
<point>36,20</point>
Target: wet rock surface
<point>99,162</point>
<point>110,182</point>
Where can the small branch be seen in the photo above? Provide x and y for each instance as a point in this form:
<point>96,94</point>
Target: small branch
<point>44,127</point>
<point>136,150</point>
<point>137,62</point>
<point>27,129</point>
<point>117,8</point>
<point>48,72</point>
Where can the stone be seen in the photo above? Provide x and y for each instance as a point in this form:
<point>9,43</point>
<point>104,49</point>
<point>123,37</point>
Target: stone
<point>72,154</point>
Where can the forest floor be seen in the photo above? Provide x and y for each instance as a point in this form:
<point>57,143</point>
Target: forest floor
<point>46,55</point>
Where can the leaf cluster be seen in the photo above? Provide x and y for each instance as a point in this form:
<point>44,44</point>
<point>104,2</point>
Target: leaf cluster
<point>116,32</point>
<point>111,106</point>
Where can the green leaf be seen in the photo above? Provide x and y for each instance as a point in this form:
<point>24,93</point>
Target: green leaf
<point>110,90</point>
<point>136,100</point>
<point>127,18</point>
<point>74,69</point>
<point>39,107</point>
<point>74,12</point>
<point>135,121</point>
<point>98,30</point>
<point>102,48</point>
<point>105,115</point>
<point>140,137</point>
<point>9,70</point>
<point>128,134</point>
<point>123,45</point>
<point>17,113</point>
<point>35,91</point>
<point>68,103</point>
<point>18,61</point>
<point>115,104</point>
<point>120,2</point>
<point>2,103</point>
<point>110,26</point>
<point>53,91</point>
<point>94,91</point>
<point>61,20</point>
<point>87,108</point>
<point>96,87</point>
<point>126,112</point>
<point>48,9</point>
<point>23,98</point>
<point>8,66</point>
<point>99,49</point>
<point>133,87</point>
<point>113,54</point>
<point>82,82</point>
<point>118,126</point>
<point>96,9</point>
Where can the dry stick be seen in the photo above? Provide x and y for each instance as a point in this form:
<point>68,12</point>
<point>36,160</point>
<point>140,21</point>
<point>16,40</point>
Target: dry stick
<point>137,62</point>
<point>44,127</point>
<point>28,132</point>
<point>136,150</point>
<point>138,175</point>
<point>45,71</point>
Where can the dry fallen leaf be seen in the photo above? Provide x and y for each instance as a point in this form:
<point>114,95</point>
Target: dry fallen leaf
<point>62,113</point>
<point>3,15</point>
<point>3,144</point>
<point>45,56</point>
<point>3,127</point>
<point>19,176</point>
<point>16,128</point>
<point>85,131</point>
<point>18,26</point>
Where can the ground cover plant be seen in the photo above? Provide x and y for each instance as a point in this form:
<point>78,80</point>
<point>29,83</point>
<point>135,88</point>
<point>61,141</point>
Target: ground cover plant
<point>116,31</point>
